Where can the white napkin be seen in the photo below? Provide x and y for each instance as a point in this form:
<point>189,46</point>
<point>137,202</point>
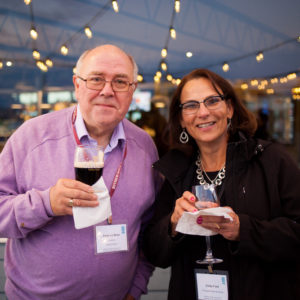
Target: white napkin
<point>188,222</point>
<point>88,216</point>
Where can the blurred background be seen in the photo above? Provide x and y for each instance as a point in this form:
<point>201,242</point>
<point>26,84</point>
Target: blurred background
<point>254,44</point>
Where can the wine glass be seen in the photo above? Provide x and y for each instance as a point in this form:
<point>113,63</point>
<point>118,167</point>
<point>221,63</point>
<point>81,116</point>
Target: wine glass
<point>88,163</point>
<point>206,198</point>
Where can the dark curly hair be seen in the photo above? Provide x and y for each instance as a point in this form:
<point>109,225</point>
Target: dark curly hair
<point>242,120</point>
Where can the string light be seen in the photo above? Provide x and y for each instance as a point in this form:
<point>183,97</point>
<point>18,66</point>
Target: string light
<point>74,70</point>
<point>1,64</point>
<point>27,2</point>
<point>42,66</point>
<point>291,76</point>
<point>189,54</point>
<point>270,91</point>
<point>163,66</point>
<point>259,56</point>
<point>88,32</point>
<point>164,53</point>
<point>274,80</point>
<point>169,77</point>
<point>36,54</point>
<point>49,63</point>
<point>225,67</point>
<point>156,79</point>
<point>33,33</point>
<point>173,33</point>
<point>64,50</point>
<point>254,82</point>
<point>140,78</point>
<point>115,5</point>
<point>158,74</point>
<point>244,86</point>
<point>177,6</point>
<point>9,63</point>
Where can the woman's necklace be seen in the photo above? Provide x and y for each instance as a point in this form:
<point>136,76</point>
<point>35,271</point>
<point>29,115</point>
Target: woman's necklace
<point>218,179</point>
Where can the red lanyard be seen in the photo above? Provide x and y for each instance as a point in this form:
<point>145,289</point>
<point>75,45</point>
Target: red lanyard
<point>117,175</point>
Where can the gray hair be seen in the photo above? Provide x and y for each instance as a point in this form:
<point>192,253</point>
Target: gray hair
<point>85,53</point>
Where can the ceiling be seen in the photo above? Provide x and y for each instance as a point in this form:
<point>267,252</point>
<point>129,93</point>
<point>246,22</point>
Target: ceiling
<point>215,31</point>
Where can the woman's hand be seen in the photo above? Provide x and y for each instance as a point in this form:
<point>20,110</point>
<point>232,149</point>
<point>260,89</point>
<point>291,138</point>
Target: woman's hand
<point>230,230</point>
<point>184,203</point>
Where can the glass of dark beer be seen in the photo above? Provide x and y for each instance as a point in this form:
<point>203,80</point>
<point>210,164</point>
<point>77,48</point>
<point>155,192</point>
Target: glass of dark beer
<point>88,163</point>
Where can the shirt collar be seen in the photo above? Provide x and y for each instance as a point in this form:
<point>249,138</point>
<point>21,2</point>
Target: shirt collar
<point>85,138</point>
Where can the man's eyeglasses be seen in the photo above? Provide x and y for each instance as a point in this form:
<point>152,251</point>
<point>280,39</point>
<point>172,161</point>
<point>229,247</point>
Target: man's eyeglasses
<point>211,103</point>
<point>97,83</point>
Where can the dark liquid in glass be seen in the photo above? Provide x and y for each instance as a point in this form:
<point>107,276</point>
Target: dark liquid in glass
<point>88,175</point>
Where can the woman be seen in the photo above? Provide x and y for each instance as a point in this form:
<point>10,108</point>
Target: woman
<point>211,133</point>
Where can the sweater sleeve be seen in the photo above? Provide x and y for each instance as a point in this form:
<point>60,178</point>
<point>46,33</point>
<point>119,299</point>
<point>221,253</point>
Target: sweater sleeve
<point>20,211</point>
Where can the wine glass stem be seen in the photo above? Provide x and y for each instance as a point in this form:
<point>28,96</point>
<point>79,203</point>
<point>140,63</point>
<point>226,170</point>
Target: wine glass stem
<point>208,248</point>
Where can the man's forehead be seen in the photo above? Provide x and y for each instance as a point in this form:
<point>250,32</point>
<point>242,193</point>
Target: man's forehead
<point>101,62</point>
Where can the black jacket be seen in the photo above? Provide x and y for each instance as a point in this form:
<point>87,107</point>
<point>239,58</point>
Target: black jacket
<point>262,185</point>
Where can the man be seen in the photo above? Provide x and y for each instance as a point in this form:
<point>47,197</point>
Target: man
<point>46,257</point>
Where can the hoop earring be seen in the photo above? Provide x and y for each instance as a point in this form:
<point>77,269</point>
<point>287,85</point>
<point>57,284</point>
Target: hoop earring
<point>184,137</point>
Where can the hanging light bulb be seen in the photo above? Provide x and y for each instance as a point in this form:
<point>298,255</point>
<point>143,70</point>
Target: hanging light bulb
<point>178,80</point>
<point>259,56</point>
<point>244,86</point>
<point>49,63</point>
<point>64,50</point>
<point>164,53</point>
<point>254,82</point>
<point>169,77</point>
<point>9,63</point>
<point>274,80</point>
<point>158,74</point>
<point>27,2</point>
<point>74,70</point>
<point>173,33</point>
<point>1,64</point>
<point>115,5</point>
<point>33,33</point>
<point>225,67</point>
<point>88,32</point>
<point>189,54</point>
<point>163,66</point>
<point>291,76</point>
<point>140,78</point>
<point>36,54</point>
<point>42,66</point>
<point>177,6</point>
<point>156,79</point>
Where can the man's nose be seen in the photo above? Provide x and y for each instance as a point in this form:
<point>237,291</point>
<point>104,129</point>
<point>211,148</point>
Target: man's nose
<point>107,89</point>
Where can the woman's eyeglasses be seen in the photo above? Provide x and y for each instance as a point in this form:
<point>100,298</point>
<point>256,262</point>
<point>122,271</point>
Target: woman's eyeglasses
<point>211,103</point>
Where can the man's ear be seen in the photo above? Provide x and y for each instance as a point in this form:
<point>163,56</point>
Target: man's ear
<point>75,82</point>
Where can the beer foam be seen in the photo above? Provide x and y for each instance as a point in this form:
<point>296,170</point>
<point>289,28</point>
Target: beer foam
<point>89,164</point>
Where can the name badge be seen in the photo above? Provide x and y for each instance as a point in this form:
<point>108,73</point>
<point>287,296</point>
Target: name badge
<point>211,286</point>
<point>111,238</point>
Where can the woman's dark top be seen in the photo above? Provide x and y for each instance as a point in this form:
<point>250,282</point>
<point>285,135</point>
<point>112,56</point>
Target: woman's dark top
<point>262,185</point>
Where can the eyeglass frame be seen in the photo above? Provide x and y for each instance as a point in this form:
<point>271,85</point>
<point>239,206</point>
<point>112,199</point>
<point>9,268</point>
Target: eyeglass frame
<point>181,105</point>
<point>105,81</point>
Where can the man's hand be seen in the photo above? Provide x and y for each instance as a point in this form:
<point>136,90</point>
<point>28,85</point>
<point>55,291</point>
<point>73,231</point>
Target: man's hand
<point>69,192</point>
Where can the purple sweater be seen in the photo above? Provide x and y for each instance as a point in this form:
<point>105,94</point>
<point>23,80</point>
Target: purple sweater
<point>46,257</point>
